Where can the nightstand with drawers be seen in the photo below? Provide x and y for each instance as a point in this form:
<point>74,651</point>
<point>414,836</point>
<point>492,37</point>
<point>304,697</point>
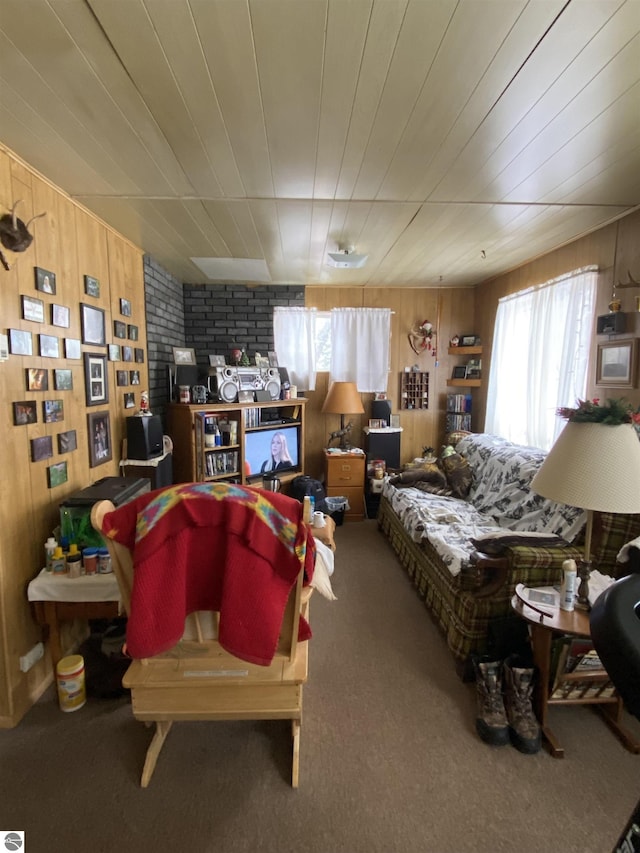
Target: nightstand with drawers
<point>344,475</point>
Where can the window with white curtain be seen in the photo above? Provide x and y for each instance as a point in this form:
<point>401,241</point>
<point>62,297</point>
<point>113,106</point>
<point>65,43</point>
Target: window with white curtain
<point>540,357</point>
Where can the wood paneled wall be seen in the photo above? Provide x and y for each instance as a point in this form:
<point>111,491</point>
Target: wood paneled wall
<point>73,243</point>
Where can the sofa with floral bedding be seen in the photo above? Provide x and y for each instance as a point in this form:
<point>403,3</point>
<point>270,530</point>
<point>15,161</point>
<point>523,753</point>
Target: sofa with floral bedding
<point>469,529</point>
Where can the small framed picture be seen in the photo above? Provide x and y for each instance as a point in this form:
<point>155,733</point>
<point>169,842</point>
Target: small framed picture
<point>93,329</point>
<point>376,423</point>
<point>91,286</point>
<point>616,363</point>
<point>395,421</point>
<point>49,346</point>
<point>60,316</point>
<point>119,329</point>
<point>99,429</point>
<point>57,474</point>
<point>125,307</point>
<point>67,441</point>
<point>262,361</point>
<point>134,377</point>
<point>468,340</point>
<point>122,377</point>
<point>459,372</point>
<point>53,411</point>
<point>217,361</point>
<point>246,397</point>
<point>127,353</point>
<point>114,352</point>
<point>129,400</point>
<point>273,359</point>
<point>37,379</point>
<point>32,309</point>
<point>72,348</point>
<point>45,280</point>
<point>25,412</point>
<point>41,448</point>
<point>182,355</point>
<point>20,342</point>
<point>63,380</point>
<point>95,379</point>
<point>132,332</point>
<point>138,354</point>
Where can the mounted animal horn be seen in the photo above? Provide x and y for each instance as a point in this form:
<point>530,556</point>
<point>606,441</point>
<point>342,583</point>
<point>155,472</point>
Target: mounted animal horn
<point>14,234</point>
<point>631,283</point>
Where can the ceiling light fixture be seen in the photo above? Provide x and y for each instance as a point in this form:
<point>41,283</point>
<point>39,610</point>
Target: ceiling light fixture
<point>346,259</point>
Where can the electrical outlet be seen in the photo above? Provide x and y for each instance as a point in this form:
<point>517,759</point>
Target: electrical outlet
<point>31,657</point>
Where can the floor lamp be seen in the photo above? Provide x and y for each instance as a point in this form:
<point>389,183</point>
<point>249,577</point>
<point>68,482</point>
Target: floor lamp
<point>343,399</point>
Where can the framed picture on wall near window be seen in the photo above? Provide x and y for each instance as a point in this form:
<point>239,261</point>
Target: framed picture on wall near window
<point>616,365</point>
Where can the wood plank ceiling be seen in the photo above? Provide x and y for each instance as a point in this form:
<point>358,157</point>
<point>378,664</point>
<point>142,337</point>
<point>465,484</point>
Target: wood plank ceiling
<point>423,133</point>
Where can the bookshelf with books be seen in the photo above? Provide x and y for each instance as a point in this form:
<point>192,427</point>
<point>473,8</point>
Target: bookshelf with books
<point>458,416</point>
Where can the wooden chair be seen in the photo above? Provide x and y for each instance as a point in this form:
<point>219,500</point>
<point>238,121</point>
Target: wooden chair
<point>198,680</point>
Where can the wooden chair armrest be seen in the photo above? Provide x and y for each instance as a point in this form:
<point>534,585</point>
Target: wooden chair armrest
<point>486,575</point>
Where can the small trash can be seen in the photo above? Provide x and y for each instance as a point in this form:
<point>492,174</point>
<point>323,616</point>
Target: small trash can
<point>337,507</point>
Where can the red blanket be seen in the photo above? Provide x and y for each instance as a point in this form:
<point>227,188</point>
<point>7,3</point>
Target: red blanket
<point>212,546</point>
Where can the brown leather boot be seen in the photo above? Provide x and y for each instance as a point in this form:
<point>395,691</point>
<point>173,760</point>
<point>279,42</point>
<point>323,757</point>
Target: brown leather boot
<point>491,722</point>
<point>524,729</point>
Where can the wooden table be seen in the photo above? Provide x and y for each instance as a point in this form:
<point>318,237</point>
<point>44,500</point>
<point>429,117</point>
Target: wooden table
<point>573,623</point>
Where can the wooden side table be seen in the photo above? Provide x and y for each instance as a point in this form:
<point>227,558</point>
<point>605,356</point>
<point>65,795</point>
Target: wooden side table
<point>344,476</point>
<point>573,623</point>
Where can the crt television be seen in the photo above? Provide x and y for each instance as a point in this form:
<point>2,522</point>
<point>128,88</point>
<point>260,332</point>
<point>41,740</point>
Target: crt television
<point>257,448</point>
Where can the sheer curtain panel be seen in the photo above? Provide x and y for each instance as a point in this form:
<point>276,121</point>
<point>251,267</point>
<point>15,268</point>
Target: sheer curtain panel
<point>360,347</point>
<point>294,342</point>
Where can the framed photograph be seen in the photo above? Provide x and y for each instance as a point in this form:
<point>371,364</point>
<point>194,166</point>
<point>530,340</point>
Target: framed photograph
<point>273,359</point>
<point>37,379</point>
<point>72,348</point>
<point>20,342</point>
<point>376,423</point>
<point>114,352</point>
<point>262,361</point>
<point>45,280</point>
<point>125,307</point>
<point>99,430</point>
<point>129,400</point>
<point>138,355</point>
<point>67,441</point>
<point>217,361</point>
<point>246,397</point>
<point>57,474</point>
<point>468,340</point>
<point>91,286</point>
<point>616,365</point>
<point>459,372</point>
<point>41,448</point>
<point>53,411</point>
<point>92,319</point>
<point>25,412</point>
<point>184,356</point>
<point>134,377</point>
<point>127,353</point>
<point>60,316</point>
<point>122,377</point>
<point>119,329</point>
<point>95,379</point>
<point>32,309</point>
<point>63,380</point>
<point>395,421</point>
<point>132,332</point>
<point>49,346</point>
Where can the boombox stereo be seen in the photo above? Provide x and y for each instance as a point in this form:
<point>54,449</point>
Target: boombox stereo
<point>226,382</point>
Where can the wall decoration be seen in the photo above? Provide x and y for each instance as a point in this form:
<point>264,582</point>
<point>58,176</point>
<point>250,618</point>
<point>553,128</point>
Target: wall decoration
<point>132,331</point>
<point>25,412</point>
<point>49,346</point>
<point>127,354</point>
<point>45,280</point>
<point>93,329</point>
<point>53,411</point>
<point>119,329</point>
<point>217,361</point>
<point>57,474</point>
<point>99,429</point>
<point>60,316</point>
<point>95,378</point>
<point>422,337</point>
<point>32,309</point>
<point>114,352</point>
<point>182,355</point>
<point>72,348</point>
<point>262,361</point>
<point>134,377</point>
<point>91,286</point>
<point>616,363</point>
<point>20,342</point>
<point>14,233</point>
<point>139,355</point>
<point>122,377</point>
<point>37,379</point>
<point>129,400</point>
<point>41,448</point>
<point>63,380</point>
<point>125,307</point>
<point>67,441</point>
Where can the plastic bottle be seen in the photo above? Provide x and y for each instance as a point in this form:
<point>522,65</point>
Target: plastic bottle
<point>58,562</point>
<point>307,512</point>
<point>74,561</point>
<point>217,434</point>
<point>568,591</point>
<point>66,529</point>
<point>49,549</point>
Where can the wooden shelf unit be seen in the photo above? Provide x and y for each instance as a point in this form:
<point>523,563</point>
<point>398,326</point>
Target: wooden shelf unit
<point>464,352</point>
<point>414,390</point>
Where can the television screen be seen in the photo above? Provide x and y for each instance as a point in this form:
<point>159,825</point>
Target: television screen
<point>274,449</point>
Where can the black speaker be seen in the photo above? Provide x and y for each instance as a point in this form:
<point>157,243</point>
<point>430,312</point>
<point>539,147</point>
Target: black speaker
<point>381,410</point>
<point>144,437</point>
<point>611,324</point>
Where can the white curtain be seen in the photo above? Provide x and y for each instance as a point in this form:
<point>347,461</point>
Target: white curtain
<point>294,342</point>
<point>360,347</point>
<point>540,357</point>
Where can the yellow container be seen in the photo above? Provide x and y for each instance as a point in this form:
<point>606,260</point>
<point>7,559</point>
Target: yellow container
<point>70,680</point>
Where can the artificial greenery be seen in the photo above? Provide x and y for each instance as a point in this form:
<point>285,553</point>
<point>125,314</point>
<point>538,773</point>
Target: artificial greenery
<point>613,412</point>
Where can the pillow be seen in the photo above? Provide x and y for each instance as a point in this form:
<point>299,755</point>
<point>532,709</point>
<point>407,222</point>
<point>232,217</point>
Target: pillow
<point>458,474</point>
<point>432,489</point>
<point>430,473</point>
<point>495,543</point>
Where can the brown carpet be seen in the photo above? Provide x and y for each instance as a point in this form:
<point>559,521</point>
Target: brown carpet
<point>390,760</point>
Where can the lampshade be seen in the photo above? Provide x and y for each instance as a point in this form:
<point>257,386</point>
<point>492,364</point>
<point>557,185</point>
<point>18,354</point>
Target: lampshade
<point>343,399</point>
<point>594,466</point>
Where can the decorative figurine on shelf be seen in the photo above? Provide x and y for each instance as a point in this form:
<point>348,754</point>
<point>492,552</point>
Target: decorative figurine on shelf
<point>455,340</point>
<point>423,337</point>
<point>236,355</point>
<point>244,359</point>
<point>144,411</point>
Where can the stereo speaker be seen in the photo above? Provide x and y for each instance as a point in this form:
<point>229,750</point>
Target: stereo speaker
<point>611,324</point>
<point>144,437</point>
<point>227,383</point>
<point>381,410</point>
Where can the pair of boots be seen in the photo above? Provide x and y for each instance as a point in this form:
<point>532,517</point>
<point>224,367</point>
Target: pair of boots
<point>504,691</point>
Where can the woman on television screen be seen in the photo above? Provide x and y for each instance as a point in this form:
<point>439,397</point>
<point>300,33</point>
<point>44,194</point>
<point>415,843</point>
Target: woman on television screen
<point>280,456</point>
